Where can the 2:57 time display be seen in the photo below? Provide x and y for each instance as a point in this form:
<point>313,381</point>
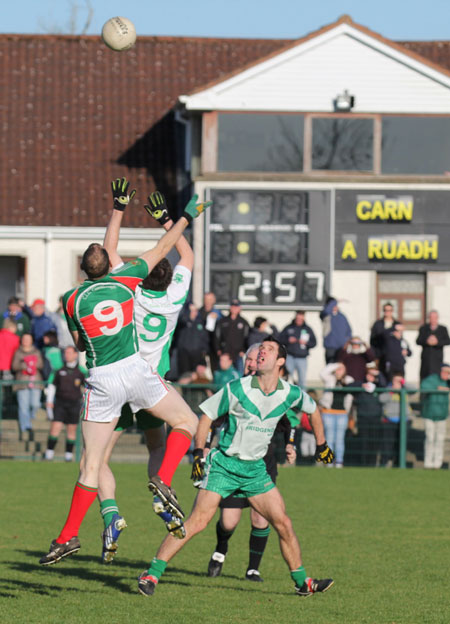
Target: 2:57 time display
<point>265,287</point>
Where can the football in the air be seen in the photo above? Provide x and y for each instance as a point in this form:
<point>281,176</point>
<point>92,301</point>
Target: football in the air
<point>119,33</point>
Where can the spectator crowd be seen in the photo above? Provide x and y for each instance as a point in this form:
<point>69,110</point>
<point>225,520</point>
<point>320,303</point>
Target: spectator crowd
<point>209,347</point>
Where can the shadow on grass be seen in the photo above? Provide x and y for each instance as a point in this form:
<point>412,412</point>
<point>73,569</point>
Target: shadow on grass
<point>35,588</point>
<point>90,559</point>
<point>65,571</point>
<point>130,568</point>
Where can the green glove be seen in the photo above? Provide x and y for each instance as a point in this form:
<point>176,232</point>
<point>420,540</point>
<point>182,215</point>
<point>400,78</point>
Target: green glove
<point>324,453</point>
<point>157,208</point>
<point>120,193</point>
<point>193,209</point>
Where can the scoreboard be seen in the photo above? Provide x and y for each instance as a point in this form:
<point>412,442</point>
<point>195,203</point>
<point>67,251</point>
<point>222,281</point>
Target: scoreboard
<point>269,249</point>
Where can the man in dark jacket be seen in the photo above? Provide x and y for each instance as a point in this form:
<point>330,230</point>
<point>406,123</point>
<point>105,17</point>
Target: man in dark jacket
<point>368,414</point>
<point>231,335</point>
<point>382,325</point>
<point>41,323</point>
<point>210,315</point>
<point>193,340</point>
<point>336,329</point>
<point>432,338</point>
<point>298,338</point>
<point>396,351</point>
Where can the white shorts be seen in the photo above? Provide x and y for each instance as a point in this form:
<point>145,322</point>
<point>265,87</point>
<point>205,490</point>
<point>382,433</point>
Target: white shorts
<point>109,387</point>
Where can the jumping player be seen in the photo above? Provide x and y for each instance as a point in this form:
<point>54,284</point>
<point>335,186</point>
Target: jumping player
<point>231,507</point>
<point>254,404</point>
<point>100,317</point>
<point>158,302</point>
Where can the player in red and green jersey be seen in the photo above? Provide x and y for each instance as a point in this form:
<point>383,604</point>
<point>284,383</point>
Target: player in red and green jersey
<point>157,305</point>
<point>100,313</point>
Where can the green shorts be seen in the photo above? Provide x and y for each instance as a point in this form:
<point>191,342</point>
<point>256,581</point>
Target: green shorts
<point>144,420</point>
<point>231,475</point>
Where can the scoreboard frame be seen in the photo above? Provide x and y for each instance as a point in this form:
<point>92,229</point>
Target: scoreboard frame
<point>287,285</point>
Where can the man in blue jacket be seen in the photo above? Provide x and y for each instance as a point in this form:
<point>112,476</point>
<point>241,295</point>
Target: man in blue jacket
<point>298,338</point>
<point>336,329</point>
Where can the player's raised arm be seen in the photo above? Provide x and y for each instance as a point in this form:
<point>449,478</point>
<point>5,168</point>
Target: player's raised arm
<point>121,199</point>
<point>165,244</point>
<point>157,208</point>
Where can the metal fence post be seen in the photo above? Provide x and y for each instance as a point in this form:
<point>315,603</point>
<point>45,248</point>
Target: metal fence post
<point>403,429</point>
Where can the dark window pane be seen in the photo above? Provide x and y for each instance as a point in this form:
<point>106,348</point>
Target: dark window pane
<point>342,144</point>
<point>260,142</point>
<point>415,145</point>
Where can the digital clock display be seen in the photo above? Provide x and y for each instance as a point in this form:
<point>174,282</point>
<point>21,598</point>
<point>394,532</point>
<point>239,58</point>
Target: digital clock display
<point>268,248</point>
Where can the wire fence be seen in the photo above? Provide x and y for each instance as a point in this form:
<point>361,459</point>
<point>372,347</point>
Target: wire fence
<point>368,441</point>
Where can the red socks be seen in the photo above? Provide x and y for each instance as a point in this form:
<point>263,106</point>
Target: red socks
<point>82,499</point>
<point>177,445</point>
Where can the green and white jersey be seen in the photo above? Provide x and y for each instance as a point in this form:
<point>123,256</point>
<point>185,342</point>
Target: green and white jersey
<point>156,314</point>
<point>253,415</point>
<point>102,312</point>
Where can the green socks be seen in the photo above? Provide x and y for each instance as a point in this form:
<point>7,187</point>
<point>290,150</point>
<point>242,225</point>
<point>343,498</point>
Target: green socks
<point>157,568</point>
<point>108,508</point>
<point>299,576</point>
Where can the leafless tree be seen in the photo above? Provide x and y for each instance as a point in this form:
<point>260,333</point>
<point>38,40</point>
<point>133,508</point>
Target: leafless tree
<point>76,13</point>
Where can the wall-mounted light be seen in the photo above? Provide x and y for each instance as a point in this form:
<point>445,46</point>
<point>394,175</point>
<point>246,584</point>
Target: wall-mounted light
<point>344,102</point>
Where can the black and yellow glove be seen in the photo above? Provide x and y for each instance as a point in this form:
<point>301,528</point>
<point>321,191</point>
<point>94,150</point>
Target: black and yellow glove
<point>194,209</point>
<point>157,208</point>
<point>120,193</point>
<point>324,453</point>
<point>198,467</point>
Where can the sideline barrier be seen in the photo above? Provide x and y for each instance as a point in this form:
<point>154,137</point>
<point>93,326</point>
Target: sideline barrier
<point>13,448</point>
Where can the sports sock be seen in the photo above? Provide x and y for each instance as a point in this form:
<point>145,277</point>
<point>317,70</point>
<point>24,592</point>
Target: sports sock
<point>258,541</point>
<point>223,537</point>
<point>299,576</point>
<point>177,445</point>
<point>108,508</point>
<point>69,445</point>
<point>51,442</point>
<point>157,568</point>
<point>82,499</point>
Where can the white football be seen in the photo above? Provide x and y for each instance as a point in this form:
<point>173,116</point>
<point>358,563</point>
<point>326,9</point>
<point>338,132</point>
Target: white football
<point>119,33</point>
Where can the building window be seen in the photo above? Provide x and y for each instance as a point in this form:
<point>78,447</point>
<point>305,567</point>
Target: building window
<point>342,144</point>
<point>12,279</point>
<point>415,145</point>
<point>260,142</point>
<point>406,293</point>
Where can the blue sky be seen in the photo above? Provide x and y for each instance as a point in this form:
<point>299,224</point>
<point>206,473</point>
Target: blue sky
<point>395,19</point>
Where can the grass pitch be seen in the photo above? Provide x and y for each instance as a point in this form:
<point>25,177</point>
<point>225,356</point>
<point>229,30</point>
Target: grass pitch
<point>383,535</point>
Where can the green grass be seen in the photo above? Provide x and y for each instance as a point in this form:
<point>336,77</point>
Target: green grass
<point>383,535</point>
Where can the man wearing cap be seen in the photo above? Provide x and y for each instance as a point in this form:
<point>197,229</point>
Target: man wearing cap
<point>41,323</point>
<point>231,335</point>
<point>435,413</point>
<point>16,314</point>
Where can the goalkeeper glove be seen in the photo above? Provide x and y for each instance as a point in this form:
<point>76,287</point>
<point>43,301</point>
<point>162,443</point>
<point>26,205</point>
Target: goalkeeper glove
<point>198,467</point>
<point>193,209</point>
<point>157,208</point>
<point>120,193</point>
<point>324,453</point>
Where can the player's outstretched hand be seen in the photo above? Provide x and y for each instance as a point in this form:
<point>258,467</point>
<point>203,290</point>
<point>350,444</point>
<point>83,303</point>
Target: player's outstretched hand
<point>120,193</point>
<point>324,453</point>
<point>157,208</point>
<point>193,209</point>
<point>198,467</point>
